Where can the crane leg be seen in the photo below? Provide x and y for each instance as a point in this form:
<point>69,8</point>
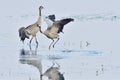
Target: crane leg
<point>40,77</point>
<point>30,47</point>
<point>51,44</point>
<point>36,41</point>
<point>31,40</point>
<point>56,42</point>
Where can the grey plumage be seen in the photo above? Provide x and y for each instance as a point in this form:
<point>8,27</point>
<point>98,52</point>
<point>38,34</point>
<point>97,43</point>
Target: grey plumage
<point>31,29</point>
<point>63,22</point>
<point>23,34</point>
<point>54,28</point>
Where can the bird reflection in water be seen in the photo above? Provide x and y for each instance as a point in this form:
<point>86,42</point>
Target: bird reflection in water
<point>53,73</point>
<point>27,58</point>
<point>34,62</point>
<point>30,57</point>
<point>31,52</point>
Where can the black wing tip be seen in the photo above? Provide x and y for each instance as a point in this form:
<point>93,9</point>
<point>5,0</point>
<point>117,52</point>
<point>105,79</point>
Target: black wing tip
<point>71,19</point>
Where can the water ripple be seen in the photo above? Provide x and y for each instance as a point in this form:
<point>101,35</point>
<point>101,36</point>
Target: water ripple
<point>80,17</point>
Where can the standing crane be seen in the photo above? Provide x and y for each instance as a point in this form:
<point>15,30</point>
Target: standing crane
<point>31,29</point>
<point>54,28</point>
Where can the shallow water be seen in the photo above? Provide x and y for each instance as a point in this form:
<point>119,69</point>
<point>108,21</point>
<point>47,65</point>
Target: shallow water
<point>97,61</point>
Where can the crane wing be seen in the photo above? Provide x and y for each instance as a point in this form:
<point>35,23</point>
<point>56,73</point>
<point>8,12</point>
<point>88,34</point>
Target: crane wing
<point>63,22</point>
<point>57,26</point>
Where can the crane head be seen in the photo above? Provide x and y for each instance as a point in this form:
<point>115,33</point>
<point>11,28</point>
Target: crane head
<point>41,7</point>
<point>51,17</point>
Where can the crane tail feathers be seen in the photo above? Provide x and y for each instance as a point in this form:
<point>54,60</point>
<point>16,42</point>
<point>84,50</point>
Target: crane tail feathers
<point>23,34</point>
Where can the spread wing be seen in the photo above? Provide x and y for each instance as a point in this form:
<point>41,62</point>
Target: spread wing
<point>60,24</point>
<point>57,26</point>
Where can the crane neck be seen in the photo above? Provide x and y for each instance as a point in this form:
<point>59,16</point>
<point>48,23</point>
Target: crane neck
<point>39,21</point>
<point>40,12</point>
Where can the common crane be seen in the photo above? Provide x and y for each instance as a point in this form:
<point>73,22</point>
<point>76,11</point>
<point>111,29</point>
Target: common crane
<point>54,28</point>
<point>25,32</point>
